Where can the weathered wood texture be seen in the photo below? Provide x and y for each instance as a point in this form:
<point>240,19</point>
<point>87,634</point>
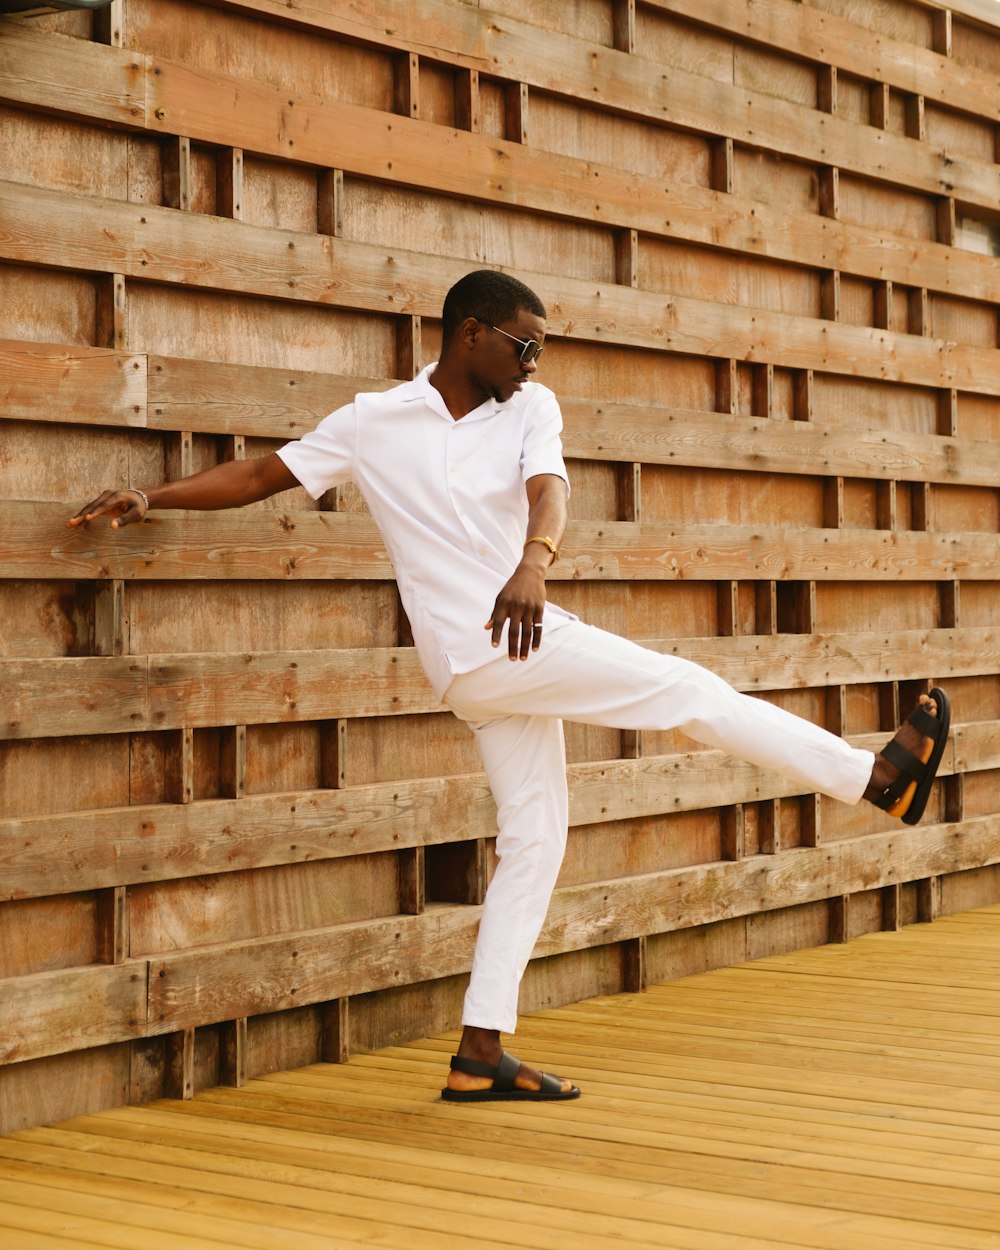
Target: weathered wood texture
<point>237,832</point>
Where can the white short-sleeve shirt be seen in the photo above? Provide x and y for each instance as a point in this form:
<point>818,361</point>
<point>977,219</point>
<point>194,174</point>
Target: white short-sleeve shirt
<point>448,498</point>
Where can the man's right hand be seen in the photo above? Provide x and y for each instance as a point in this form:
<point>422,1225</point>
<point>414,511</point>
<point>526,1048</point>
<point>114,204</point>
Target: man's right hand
<point>123,506</point>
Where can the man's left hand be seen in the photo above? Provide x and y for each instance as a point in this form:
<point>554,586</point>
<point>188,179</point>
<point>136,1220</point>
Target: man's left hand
<point>519,606</point>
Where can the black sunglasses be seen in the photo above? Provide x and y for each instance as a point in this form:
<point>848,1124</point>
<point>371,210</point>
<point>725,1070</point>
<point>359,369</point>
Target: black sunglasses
<point>530,348</point>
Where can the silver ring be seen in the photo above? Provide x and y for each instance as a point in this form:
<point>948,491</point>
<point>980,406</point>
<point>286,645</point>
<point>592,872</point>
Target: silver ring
<point>537,625</point>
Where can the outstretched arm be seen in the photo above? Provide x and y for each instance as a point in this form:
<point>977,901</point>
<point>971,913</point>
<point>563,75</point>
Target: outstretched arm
<point>521,602</point>
<point>229,485</point>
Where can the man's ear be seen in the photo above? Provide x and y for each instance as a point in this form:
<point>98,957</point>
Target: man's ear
<point>468,332</point>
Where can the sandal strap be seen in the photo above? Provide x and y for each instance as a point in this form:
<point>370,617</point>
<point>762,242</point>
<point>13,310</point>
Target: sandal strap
<point>923,722</point>
<point>911,767</point>
<point>503,1074</point>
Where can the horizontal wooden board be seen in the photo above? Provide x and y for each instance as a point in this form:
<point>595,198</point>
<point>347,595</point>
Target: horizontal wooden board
<point>830,38</point>
<point>288,972</point>
<point>128,694</point>
<point>49,382</point>
<point>603,77</point>
<point>53,228</point>
<point>93,386</point>
<point>346,546</point>
<point>70,1009</point>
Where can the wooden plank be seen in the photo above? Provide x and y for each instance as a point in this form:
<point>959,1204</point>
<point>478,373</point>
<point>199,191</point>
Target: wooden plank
<point>633,85</point>
<point>49,1013</point>
<point>957,270</point>
<point>263,545</point>
<point>126,694</point>
<point>268,974</point>
<point>84,385</point>
<point>54,228</point>
<point>68,695</point>
<point>499,46</point>
<point>43,68</point>
<point>206,396</point>
<point>820,35</point>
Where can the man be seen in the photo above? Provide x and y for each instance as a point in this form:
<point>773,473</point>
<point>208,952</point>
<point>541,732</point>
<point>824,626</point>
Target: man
<point>463,473</point>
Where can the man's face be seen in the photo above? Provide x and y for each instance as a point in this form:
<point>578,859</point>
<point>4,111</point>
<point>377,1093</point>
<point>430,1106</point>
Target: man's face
<point>498,358</point>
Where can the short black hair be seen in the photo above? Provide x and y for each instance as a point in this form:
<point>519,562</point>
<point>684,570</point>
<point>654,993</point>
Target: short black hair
<point>490,297</point>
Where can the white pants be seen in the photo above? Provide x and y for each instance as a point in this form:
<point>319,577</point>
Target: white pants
<point>585,674</point>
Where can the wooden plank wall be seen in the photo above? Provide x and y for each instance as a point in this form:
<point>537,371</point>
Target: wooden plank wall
<point>236,832</point>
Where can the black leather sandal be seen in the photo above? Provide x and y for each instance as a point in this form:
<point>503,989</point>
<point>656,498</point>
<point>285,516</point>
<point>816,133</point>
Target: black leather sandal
<point>913,771</point>
<point>503,1089</point>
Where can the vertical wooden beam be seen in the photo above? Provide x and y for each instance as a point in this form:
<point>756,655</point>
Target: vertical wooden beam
<point>180,766</point>
<point>112,925</point>
<point>836,710</point>
<point>928,899</point>
<point>878,105</point>
<point>882,317</point>
<point>946,220</point>
<point>826,89</point>
<point>111,321</point>
<point>180,1064</point>
<point>949,604</point>
<point>627,257</point>
<point>810,820</point>
<point>762,390</point>
<point>516,112</point>
<point>468,111</point>
<point>177,173</point>
<point>233,1053</point>
<point>829,295</point>
<point>941,31</point>
<point>335,1038</point>
<point>728,594</point>
<point>406,84</point>
<point>634,965</point>
<point>409,348</point>
<point>839,908</point>
<point>892,913</point>
<point>915,118</point>
<point>918,312</point>
<point>723,165</point>
<point>233,764</point>
<point>333,754</point>
<point>947,412</point>
<point>229,183</point>
<point>726,396</point>
<point>766,602</point>
<point>179,458</point>
<point>769,826</point>
<point>834,503</point>
<point>412,880</point>
<point>330,202</point>
<point>732,828</point>
<point>110,617</point>
<point>886,505</point>
<point>623,24</point>
<point>922,507</point>
<point>829,191</point>
<point>954,798</point>
<point>109,24</point>
<point>803,386</point>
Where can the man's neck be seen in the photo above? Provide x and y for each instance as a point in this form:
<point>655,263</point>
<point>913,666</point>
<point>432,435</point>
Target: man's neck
<point>460,396</point>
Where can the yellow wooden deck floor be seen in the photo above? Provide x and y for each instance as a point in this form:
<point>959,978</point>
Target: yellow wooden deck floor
<point>845,1098</point>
